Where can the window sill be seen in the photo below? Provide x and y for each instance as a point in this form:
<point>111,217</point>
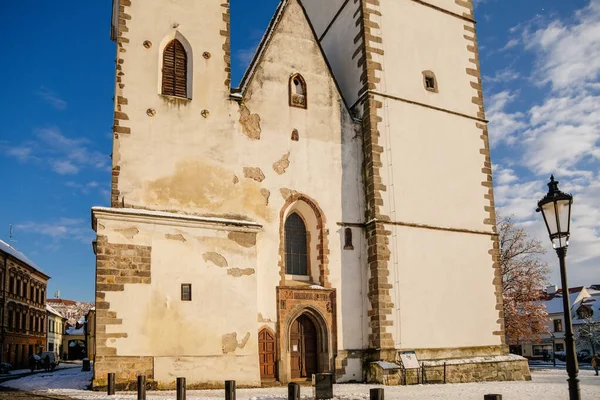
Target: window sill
<point>175,99</point>
<point>301,278</point>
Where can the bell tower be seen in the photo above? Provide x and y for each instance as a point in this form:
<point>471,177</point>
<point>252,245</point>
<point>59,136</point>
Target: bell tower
<point>172,88</point>
<point>410,69</point>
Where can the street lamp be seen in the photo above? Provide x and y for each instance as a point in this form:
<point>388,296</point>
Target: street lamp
<point>556,210</point>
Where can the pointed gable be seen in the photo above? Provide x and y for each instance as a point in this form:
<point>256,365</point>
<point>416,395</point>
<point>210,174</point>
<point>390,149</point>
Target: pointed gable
<point>291,42</point>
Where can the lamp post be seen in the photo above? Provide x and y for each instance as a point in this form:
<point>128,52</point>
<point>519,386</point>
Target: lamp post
<point>553,349</point>
<point>556,210</point>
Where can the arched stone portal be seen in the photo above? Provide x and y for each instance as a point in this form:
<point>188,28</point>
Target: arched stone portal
<point>306,335</point>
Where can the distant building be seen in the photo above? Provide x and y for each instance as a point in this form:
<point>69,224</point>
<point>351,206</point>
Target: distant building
<point>90,333</point>
<point>56,328</point>
<point>22,307</point>
<point>72,310</point>
<point>585,308</point>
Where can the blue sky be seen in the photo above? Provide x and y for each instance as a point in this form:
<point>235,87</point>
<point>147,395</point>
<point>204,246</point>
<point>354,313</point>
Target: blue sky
<point>540,60</point>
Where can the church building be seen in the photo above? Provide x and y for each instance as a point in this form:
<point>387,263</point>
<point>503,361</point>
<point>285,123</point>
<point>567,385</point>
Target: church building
<point>332,211</point>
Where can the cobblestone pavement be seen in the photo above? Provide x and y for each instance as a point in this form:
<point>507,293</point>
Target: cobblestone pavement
<point>11,394</point>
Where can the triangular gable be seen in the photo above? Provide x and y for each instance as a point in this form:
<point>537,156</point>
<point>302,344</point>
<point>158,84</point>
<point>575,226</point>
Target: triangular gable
<point>266,40</point>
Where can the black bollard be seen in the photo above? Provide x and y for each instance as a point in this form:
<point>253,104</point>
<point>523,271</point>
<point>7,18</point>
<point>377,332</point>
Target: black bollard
<point>492,397</point>
<point>229,390</point>
<point>141,387</point>
<point>181,395</point>
<point>111,383</point>
<point>293,391</point>
<point>376,394</point>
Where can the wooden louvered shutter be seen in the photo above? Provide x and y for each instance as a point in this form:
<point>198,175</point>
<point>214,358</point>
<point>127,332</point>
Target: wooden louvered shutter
<point>174,82</point>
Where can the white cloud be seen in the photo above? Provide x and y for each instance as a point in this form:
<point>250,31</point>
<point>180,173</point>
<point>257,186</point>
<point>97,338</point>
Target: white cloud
<point>21,153</point>
<point>60,229</point>
<point>64,155</point>
<point>568,55</point>
<point>560,134</point>
<point>511,44</point>
<point>85,188</point>
<point>503,76</point>
<point>64,167</point>
<point>504,124</point>
<point>52,98</point>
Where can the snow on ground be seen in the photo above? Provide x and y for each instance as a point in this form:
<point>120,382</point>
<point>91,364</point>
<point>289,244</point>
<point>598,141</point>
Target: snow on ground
<point>62,379</point>
<point>546,384</point>
<point>62,365</point>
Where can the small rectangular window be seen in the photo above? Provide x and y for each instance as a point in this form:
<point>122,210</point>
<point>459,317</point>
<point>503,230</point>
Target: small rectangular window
<point>186,292</point>
<point>558,325</point>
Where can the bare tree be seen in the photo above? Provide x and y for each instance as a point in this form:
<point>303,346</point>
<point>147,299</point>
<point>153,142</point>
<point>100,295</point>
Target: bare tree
<point>524,276</point>
<point>589,333</point>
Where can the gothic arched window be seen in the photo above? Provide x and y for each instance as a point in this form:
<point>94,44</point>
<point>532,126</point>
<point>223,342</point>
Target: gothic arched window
<point>296,246</point>
<point>174,71</point>
<point>298,91</point>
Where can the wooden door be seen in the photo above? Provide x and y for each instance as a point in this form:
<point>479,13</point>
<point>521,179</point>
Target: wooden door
<point>266,352</point>
<point>303,341</point>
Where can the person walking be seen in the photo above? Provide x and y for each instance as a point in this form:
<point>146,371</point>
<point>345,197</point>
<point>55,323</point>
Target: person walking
<point>31,363</point>
<point>47,363</point>
<point>596,362</point>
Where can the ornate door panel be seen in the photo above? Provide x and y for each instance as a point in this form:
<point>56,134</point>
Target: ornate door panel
<point>303,342</point>
<point>266,351</point>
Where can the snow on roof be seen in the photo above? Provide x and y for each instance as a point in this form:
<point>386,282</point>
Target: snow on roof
<point>7,248</point>
<point>73,331</point>
<point>150,213</point>
<point>62,302</point>
<point>53,311</point>
<point>555,305</point>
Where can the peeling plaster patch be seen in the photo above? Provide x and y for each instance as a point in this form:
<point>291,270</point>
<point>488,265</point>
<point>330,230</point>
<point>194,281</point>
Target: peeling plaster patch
<point>287,193</point>
<point>216,259</point>
<point>197,184</point>
<point>238,272</point>
<point>230,342</point>
<point>283,164</point>
<point>266,194</point>
<point>129,233</point>
<point>250,123</point>
<point>263,319</point>
<point>254,173</point>
<point>236,180</point>
<point>178,237</point>
<point>243,239</point>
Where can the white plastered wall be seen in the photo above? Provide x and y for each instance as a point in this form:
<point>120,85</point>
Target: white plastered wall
<point>446,296</point>
<point>338,42</point>
<point>411,46</point>
<point>182,162</point>
<point>432,170</point>
<point>324,165</point>
<point>146,156</point>
<point>187,338</point>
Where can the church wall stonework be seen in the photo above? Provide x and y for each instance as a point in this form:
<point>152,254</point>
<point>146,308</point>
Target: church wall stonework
<point>202,186</point>
<point>143,326</point>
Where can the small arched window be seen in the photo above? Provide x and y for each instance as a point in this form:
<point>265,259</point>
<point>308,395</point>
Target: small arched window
<point>296,246</point>
<point>348,239</point>
<point>298,92</point>
<point>174,71</point>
